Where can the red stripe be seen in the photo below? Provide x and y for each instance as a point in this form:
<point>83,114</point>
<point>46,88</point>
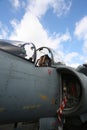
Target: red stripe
<point>61,108</point>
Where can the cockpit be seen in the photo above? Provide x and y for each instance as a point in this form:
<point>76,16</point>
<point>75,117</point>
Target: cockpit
<point>43,56</point>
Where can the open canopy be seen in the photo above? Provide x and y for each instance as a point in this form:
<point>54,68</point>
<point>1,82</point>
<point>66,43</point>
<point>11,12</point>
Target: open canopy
<point>29,52</point>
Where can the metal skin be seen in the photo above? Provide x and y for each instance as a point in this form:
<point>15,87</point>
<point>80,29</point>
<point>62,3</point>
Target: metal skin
<point>26,92</point>
<point>32,93</point>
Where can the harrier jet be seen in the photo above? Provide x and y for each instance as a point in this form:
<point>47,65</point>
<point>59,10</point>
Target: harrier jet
<point>36,87</point>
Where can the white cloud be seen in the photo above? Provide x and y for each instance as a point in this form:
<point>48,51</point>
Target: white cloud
<point>81,28</point>
<point>40,7</point>
<point>30,29</point>
<point>73,59</point>
<point>81,32</point>
<point>74,65</point>
<point>17,3</point>
<point>3,31</point>
<point>70,56</point>
<point>64,37</point>
<point>14,23</point>
<point>61,7</point>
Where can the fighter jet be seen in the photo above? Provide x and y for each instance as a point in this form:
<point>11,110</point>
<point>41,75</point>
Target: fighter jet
<point>36,87</point>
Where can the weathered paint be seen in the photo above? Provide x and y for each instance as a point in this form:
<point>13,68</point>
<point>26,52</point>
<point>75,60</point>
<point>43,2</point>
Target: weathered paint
<point>2,109</point>
<point>31,107</point>
<point>43,97</point>
<point>26,91</point>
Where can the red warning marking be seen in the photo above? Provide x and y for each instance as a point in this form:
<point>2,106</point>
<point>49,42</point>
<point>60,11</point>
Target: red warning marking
<point>49,72</point>
<point>61,108</point>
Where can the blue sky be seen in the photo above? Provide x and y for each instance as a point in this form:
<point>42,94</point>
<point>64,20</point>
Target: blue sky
<point>59,24</point>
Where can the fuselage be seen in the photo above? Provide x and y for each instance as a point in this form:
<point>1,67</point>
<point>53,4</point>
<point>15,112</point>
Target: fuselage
<point>27,92</point>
